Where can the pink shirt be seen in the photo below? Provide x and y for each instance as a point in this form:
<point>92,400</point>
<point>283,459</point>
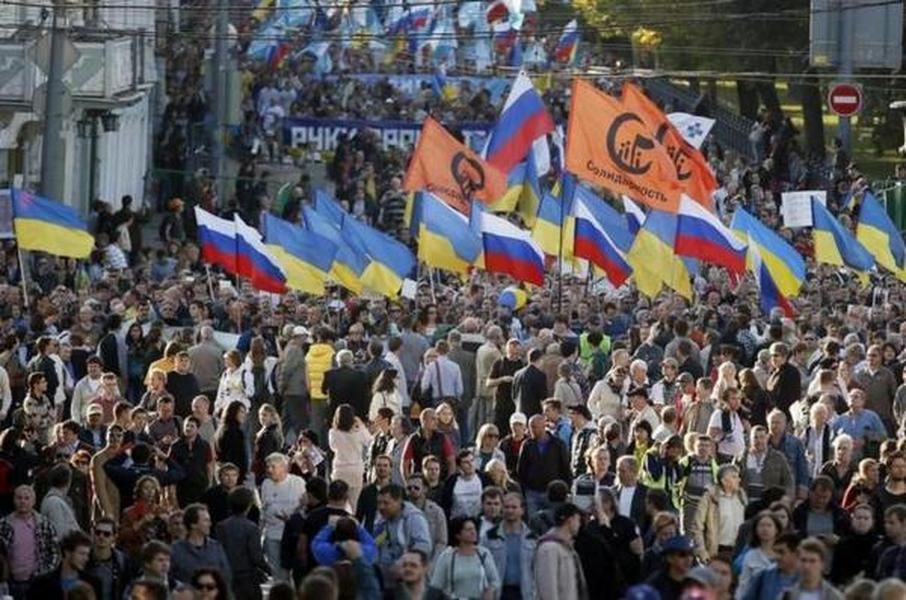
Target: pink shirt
<point>23,551</point>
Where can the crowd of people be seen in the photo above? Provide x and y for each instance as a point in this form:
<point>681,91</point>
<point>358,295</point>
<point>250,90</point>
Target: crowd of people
<point>172,433</point>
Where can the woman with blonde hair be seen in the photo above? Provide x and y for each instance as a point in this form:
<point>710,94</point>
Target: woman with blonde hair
<point>496,471</point>
<point>146,519</point>
<point>385,394</point>
<point>726,379</point>
<point>486,446</point>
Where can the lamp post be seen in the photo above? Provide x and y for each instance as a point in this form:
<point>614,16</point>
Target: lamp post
<point>87,128</point>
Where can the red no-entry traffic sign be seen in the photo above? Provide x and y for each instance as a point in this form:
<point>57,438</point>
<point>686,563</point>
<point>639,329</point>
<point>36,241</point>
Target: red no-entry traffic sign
<point>845,99</point>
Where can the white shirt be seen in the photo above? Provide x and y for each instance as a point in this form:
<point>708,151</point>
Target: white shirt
<point>466,497</point>
<point>280,500</point>
<point>734,443</point>
<point>626,495</point>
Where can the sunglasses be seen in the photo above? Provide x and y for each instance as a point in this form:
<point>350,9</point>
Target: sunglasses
<point>103,532</point>
<point>206,586</point>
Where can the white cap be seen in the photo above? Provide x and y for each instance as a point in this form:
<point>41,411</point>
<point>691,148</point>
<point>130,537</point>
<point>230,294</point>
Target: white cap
<point>299,330</point>
<point>518,417</point>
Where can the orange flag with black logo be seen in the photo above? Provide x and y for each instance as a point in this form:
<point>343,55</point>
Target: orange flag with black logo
<point>608,144</point>
<point>450,170</point>
<point>692,170</point>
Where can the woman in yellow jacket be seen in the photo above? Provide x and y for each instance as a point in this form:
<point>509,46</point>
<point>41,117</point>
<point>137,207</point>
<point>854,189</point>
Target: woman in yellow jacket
<point>318,361</point>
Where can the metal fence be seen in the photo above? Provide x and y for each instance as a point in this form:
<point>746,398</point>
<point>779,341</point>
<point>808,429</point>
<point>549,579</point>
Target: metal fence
<point>730,130</point>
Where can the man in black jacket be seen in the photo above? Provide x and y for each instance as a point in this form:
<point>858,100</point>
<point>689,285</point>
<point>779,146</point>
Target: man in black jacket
<point>784,383</point>
<point>241,540</point>
<point>76,547</point>
<point>346,385</point>
<point>530,385</point>
<point>182,385</point>
<point>542,459</point>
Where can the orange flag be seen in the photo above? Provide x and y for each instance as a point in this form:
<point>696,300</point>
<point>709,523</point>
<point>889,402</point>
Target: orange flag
<point>609,145</point>
<point>692,170</point>
<point>447,168</point>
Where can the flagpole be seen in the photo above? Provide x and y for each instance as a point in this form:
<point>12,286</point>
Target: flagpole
<point>207,269</point>
<point>560,259</point>
<point>431,280</point>
<point>23,272</point>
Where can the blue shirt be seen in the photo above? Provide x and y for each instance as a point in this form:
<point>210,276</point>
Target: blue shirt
<point>863,426</point>
<point>513,573</point>
<point>769,585</point>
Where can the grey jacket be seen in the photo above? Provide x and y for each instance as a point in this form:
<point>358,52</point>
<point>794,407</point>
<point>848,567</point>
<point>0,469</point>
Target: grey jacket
<point>207,364</point>
<point>186,558</point>
<point>774,472</point>
<point>495,541</point>
<point>291,381</point>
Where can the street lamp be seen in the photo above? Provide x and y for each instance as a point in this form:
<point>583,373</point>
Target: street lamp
<point>87,128</point>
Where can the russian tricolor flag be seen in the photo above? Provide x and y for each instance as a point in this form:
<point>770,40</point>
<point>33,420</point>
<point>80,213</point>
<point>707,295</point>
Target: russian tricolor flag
<point>700,234</point>
<point>217,238</point>
<point>523,120</point>
<point>568,43</point>
<point>255,262</point>
<point>595,244</point>
<point>511,250</point>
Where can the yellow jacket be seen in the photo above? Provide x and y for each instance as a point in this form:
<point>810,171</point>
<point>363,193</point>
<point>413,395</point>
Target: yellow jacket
<point>318,361</point>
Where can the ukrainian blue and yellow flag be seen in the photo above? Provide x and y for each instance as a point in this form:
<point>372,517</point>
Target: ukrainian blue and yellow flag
<point>386,261</point>
<point>835,244</point>
<point>653,259</point>
<point>555,225</point>
<point>445,239</point>
<point>530,199</point>
<point>305,256</point>
<point>780,260</point>
<point>880,236</point>
<point>515,184</point>
<point>389,261</point>
<point>348,264</point>
<point>47,226</point>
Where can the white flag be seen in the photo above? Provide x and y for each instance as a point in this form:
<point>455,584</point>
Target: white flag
<point>693,128</point>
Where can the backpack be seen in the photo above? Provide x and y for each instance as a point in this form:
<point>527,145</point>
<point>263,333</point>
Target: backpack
<point>597,367</point>
<point>262,393</point>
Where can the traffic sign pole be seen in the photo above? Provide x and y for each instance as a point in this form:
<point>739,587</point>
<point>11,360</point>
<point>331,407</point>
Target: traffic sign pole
<point>844,130</point>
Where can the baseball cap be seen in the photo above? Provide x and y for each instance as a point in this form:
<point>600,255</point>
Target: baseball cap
<point>95,409</point>
<point>518,417</point>
<point>299,330</point>
<point>704,575</point>
<point>642,592</point>
<point>678,543</point>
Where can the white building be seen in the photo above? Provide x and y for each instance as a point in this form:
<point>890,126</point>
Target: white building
<point>112,74</point>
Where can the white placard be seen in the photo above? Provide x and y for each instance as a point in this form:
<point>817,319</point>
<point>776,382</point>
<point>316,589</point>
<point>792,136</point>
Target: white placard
<point>409,289</point>
<point>796,207</point>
